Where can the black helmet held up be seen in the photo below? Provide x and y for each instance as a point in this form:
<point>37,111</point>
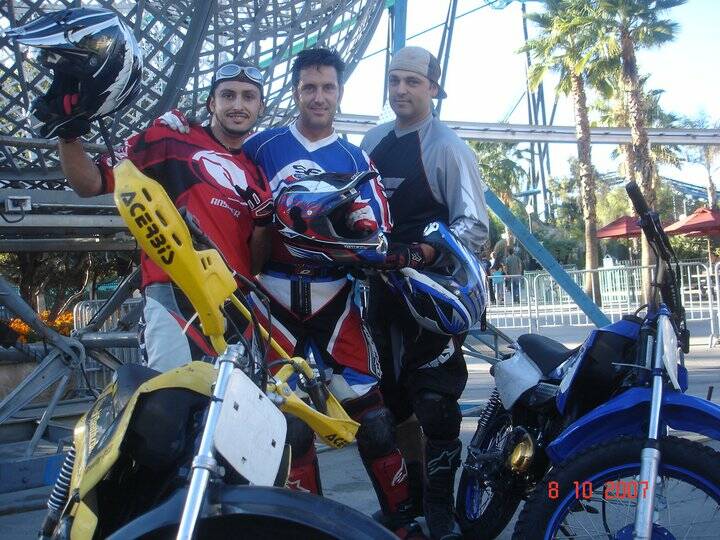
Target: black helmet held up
<point>92,54</point>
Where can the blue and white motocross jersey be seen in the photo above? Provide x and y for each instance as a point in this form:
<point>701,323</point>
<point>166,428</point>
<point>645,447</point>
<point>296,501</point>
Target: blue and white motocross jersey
<point>285,156</point>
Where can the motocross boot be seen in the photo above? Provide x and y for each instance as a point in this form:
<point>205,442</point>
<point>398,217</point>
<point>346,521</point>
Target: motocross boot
<point>442,459</point>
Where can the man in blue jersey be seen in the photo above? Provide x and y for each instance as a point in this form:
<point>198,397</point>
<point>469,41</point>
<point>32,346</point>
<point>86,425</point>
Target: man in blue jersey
<point>312,307</point>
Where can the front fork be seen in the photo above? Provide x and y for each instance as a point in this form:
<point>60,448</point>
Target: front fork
<point>650,457</point>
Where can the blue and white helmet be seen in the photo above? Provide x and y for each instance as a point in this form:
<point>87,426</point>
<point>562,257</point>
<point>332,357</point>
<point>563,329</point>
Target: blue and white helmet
<point>450,296</point>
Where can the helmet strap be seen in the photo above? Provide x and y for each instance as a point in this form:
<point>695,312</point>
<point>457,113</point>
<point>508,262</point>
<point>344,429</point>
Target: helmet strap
<point>107,139</point>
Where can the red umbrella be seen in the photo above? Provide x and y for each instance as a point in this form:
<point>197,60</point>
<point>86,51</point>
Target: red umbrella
<point>622,227</point>
<point>701,221</point>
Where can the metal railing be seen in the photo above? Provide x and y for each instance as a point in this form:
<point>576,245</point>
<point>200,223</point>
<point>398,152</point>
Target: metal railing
<point>538,301</point>
<point>510,302</point>
<point>98,375</point>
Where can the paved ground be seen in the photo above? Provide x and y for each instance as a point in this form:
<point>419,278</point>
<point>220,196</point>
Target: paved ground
<point>343,476</point>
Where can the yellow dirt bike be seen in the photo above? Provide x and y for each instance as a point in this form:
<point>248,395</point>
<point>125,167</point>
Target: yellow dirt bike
<point>197,451</point>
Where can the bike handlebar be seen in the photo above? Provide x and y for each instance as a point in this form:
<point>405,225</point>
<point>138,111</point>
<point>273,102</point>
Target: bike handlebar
<point>636,197</point>
<point>666,279</point>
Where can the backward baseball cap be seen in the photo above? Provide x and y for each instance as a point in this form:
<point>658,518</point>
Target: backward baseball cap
<point>420,61</point>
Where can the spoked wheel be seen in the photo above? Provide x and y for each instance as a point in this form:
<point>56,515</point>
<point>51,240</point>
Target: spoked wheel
<point>484,507</point>
<point>594,494</point>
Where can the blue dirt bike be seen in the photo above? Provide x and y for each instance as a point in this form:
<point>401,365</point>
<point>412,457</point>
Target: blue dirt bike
<point>582,434</point>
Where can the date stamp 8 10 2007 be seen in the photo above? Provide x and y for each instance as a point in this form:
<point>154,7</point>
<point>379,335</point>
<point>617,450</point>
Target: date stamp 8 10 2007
<point>616,489</point>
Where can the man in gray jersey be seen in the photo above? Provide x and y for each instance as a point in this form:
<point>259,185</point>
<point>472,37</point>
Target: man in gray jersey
<point>429,175</point>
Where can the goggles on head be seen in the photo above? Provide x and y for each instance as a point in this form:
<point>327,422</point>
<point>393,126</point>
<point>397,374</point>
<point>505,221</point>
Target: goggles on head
<point>232,71</point>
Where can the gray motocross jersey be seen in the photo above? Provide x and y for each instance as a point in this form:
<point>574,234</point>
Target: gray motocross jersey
<point>429,174</point>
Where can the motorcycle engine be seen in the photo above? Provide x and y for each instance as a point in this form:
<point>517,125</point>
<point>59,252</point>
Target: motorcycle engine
<point>521,450</point>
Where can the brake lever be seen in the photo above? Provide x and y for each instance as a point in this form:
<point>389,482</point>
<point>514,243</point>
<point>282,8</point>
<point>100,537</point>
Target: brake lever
<point>199,237</point>
<point>318,393</point>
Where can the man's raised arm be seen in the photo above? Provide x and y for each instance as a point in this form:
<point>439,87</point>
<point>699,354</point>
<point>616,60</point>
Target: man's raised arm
<point>82,173</point>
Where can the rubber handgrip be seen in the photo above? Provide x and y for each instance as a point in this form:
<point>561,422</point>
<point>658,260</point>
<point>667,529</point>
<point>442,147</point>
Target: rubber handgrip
<point>636,196</point>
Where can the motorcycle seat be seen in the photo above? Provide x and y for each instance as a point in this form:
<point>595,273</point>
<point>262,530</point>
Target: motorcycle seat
<point>128,378</point>
<point>545,352</point>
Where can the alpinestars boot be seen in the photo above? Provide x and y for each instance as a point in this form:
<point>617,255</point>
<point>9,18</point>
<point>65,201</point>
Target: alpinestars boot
<point>442,459</point>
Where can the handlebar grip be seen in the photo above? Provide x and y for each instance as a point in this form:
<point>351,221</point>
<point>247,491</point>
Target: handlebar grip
<point>636,196</point>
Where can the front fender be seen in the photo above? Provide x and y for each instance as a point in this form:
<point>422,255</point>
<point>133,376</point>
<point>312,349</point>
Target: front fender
<point>627,414</point>
<point>250,505</point>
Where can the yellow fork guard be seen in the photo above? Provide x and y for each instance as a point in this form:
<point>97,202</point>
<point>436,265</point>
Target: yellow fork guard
<point>204,277</point>
<point>163,235</point>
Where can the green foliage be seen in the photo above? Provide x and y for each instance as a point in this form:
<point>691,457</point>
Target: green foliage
<point>500,168</point>
<point>689,247</point>
<point>568,45</point>
<point>640,18</point>
<point>612,111</point>
<point>496,229</point>
<point>614,205</point>
<point>565,237</point>
<point>664,202</point>
<point>562,244</point>
<point>60,276</point>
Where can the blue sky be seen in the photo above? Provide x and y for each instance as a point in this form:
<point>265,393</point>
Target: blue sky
<point>486,76</point>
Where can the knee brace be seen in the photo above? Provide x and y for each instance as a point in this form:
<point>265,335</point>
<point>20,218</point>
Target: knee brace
<point>299,436</point>
<point>438,414</point>
<point>376,436</point>
<point>383,461</point>
<point>304,471</point>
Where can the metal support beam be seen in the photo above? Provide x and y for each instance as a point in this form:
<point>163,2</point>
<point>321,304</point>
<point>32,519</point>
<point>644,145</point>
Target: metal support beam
<point>48,144</point>
<point>185,58</point>
<point>480,131</point>
<point>43,245</point>
<point>399,18</point>
<point>445,44</point>
<point>547,261</point>
<point>54,222</point>
<point>53,368</point>
<point>61,198</point>
<point>487,131</point>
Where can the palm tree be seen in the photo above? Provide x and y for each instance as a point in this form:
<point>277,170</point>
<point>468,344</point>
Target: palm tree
<point>614,112</point>
<point>622,26</point>
<point>499,166</point>
<point>705,155</point>
<point>565,46</point>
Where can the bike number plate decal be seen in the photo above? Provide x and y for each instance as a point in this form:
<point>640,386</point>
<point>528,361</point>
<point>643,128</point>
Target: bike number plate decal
<point>251,431</point>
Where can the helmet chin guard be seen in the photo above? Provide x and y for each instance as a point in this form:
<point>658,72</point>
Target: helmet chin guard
<point>312,213</point>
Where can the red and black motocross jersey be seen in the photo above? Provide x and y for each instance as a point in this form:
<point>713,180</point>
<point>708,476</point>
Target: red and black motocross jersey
<point>224,190</point>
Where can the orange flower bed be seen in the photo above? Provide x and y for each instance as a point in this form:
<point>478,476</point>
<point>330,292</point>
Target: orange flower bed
<point>63,324</point>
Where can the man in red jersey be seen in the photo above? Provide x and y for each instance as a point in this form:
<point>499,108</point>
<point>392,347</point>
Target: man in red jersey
<point>205,172</point>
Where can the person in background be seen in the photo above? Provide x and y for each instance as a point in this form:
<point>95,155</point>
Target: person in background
<point>497,277</point>
<point>514,268</point>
